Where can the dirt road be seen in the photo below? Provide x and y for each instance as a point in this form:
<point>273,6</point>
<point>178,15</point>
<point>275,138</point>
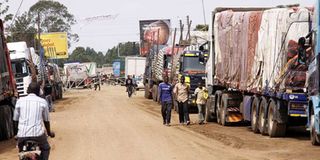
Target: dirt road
<point>108,125</point>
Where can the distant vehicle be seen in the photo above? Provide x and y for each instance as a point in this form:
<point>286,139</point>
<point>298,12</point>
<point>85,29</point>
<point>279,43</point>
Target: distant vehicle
<point>55,80</point>
<point>134,66</point>
<point>139,83</point>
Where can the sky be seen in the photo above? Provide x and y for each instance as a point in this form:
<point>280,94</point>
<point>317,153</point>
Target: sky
<point>104,34</point>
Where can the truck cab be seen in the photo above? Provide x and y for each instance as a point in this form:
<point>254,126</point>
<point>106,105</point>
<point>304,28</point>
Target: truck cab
<point>193,70</point>
<point>19,53</point>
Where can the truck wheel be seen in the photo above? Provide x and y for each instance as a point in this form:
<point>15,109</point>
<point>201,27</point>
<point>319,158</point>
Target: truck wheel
<point>315,139</point>
<point>262,120</point>
<point>6,124</point>
<point>254,114</point>
<point>208,115</point>
<point>274,128</point>
<point>223,110</point>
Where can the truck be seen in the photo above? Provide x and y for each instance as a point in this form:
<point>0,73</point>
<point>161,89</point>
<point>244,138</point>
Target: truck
<point>157,65</point>
<point>8,91</point>
<point>76,74</point>
<point>55,80</point>
<point>313,80</point>
<point>134,66</point>
<point>19,55</point>
<point>193,71</point>
<point>252,70</point>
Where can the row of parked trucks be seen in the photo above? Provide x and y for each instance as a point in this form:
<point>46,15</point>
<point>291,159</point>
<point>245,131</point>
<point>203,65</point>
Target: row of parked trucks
<point>261,66</point>
<point>15,76</point>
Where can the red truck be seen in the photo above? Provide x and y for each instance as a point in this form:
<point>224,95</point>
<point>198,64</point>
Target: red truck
<point>7,90</point>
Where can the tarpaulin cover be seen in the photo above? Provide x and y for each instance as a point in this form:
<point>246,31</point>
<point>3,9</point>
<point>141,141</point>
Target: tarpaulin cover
<point>252,49</point>
<point>76,72</point>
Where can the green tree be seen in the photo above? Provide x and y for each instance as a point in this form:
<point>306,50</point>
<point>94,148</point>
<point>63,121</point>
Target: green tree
<point>4,8</point>
<point>54,17</point>
<point>22,30</point>
<point>201,27</point>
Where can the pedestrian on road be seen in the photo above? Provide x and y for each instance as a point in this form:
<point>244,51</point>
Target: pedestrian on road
<point>29,115</point>
<point>97,83</point>
<point>165,93</point>
<point>129,85</point>
<point>181,90</point>
<point>201,100</point>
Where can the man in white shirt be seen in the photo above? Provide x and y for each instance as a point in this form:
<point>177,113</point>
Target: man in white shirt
<point>29,115</point>
<point>201,102</point>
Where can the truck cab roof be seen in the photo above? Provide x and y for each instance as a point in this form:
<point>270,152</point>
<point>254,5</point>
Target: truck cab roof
<point>18,50</point>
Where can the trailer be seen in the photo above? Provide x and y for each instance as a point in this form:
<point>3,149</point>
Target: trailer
<point>8,91</point>
<point>252,74</point>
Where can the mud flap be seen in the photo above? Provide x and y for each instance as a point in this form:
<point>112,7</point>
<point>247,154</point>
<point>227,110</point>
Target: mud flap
<point>235,117</point>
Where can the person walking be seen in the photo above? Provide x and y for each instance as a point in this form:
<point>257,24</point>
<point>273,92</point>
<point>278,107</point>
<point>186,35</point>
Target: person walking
<point>165,93</point>
<point>201,100</point>
<point>129,85</point>
<point>30,113</point>
<point>97,83</point>
<point>181,91</point>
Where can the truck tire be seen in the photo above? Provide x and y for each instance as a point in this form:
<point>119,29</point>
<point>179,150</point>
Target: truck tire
<point>255,114</point>
<point>315,139</point>
<point>262,121</point>
<point>6,124</point>
<point>275,129</point>
<point>209,115</point>
<point>223,110</point>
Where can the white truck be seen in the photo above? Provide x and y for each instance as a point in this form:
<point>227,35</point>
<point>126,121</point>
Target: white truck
<point>135,66</point>
<point>19,54</point>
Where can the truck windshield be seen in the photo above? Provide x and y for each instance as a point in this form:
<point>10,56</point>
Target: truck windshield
<point>192,64</point>
<point>19,68</point>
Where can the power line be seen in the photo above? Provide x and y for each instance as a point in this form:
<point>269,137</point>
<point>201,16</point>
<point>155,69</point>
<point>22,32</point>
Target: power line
<point>15,15</point>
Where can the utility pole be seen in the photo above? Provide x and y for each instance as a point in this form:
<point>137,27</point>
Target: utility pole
<point>189,22</point>
<point>204,13</point>
<point>181,32</point>
<point>39,32</point>
<point>173,69</point>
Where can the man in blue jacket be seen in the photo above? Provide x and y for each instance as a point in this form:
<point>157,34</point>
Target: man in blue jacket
<point>165,92</point>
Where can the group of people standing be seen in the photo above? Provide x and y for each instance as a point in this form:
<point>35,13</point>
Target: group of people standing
<point>181,91</point>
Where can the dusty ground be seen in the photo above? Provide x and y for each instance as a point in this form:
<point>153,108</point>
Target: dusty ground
<point>108,125</point>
